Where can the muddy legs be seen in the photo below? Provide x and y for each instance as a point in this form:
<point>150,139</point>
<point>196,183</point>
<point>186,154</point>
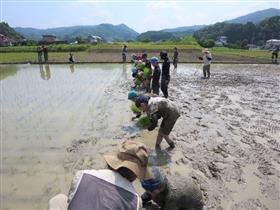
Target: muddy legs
<point>160,136</point>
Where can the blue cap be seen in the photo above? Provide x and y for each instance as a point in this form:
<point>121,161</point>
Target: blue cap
<point>141,99</point>
<point>132,94</point>
<point>155,182</point>
<point>154,60</point>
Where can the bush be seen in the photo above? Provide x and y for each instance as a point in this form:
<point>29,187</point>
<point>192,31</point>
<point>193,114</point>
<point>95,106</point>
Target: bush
<point>206,43</point>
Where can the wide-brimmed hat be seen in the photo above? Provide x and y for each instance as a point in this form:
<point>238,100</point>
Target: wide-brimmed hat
<point>205,50</point>
<point>132,155</point>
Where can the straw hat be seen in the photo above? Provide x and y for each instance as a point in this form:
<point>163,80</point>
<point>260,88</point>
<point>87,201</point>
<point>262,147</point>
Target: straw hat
<point>205,50</point>
<point>132,155</point>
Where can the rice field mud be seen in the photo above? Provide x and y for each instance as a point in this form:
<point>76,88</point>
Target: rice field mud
<point>57,119</point>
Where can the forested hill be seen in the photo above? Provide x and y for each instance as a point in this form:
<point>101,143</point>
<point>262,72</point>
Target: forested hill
<point>108,32</point>
<point>9,32</point>
<point>256,17</point>
<point>239,35</point>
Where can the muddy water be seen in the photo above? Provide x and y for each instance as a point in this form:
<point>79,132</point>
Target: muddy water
<point>57,119</point>
<point>45,109</point>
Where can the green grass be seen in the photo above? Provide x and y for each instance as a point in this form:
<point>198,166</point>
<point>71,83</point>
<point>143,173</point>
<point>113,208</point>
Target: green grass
<point>26,57</point>
<point>240,52</point>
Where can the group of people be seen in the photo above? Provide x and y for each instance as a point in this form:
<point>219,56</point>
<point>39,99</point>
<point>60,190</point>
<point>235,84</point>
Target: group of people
<point>147,73</point>
<point>43,51</point>
<point>111,188</point>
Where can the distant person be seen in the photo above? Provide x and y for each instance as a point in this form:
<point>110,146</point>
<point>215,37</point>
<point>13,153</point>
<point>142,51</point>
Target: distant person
<point>171,192</point>
<point>40,54</point>
<point>157,107</point>
<point>165,73</point>
<point>274,56</point>
<point>109,188</point>
<point>71,58</point>
<point>175,57</point>
<point>156,75</point>
<point>124,51</point>
<point>206,58</point>
<point>46,54</point>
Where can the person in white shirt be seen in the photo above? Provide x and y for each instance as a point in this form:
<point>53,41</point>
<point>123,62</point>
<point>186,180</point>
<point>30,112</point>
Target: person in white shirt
<point>206,58</point>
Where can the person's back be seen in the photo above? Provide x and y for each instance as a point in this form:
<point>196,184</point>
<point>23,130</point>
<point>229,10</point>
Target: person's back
<point>102,189</point>
<point>163,106</point>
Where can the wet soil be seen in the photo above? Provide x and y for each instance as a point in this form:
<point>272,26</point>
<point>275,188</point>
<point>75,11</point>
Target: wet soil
<point>227,138</point>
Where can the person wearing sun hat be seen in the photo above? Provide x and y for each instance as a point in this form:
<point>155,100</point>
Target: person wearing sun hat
<point>109,188</point>
<point>206,58</point>
<point>171,192</point>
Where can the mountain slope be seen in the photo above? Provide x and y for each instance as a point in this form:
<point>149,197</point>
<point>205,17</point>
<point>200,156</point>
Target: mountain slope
<point>155,36</point>
<point>9,32</point>
<point>256,17</point>
<point>108,32</point>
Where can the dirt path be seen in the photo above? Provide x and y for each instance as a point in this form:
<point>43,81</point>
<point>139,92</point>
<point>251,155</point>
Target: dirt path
<point>229,134</point>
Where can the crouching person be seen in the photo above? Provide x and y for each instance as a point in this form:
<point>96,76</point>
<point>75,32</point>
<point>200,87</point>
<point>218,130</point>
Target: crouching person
<point>171,192</point>
<point>108,188</point>
<point>156,108</point>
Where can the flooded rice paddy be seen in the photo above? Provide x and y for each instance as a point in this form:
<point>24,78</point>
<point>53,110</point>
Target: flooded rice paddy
<point>57,119</point>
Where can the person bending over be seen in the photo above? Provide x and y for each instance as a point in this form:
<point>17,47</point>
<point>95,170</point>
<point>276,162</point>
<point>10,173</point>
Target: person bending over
<point>156,108</point>
<point>171,192</point>
<point>108,188</point>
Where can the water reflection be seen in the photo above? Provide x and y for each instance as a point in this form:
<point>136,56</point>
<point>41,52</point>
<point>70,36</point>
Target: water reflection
<point>7,71</point>
<point>124,72</point>
<point>72,68</point>
<point>48,71</point>
<point>159,158</point>
<point>45,74</point>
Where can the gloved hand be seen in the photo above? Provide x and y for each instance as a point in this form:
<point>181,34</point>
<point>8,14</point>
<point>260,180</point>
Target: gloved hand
<point>209,59</point>
<point>146,197</point>
<point>200,58</point>
<point>153,123</point>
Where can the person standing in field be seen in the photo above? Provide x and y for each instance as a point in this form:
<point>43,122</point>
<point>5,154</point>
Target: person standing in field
<point>46,54</point>
<point>165,74</point>
<point>40,54</point>
<point>156,75</point>
<point>124,51</point>
<point>206,58</point>
<point>71,58</point>
<point>274,56</point>
<point>175,57</point>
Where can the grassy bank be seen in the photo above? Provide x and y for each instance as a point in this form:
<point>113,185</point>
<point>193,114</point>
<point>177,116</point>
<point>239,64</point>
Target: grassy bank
<point>188,48</point>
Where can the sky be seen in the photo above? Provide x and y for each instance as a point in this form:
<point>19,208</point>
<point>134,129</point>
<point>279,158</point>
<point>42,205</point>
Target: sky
<point>140,15</point>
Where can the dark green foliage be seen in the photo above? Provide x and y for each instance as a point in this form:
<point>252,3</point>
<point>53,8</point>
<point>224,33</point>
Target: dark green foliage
<point>156,36</point>
<point>6,30</point>
<point>239,35</point>
<point>206,43</point>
